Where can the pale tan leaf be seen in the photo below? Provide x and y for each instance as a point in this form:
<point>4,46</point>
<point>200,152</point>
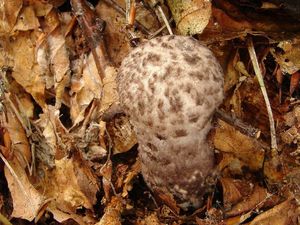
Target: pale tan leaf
<point>26,71</point>
<point>149,220</point>
<point>20,145</point>
<point>27,20</point>
<point>191,17</point>
<point>85,89</point>
<point>58,56</point>
<point>72,184</point>
<point>9,11</point>
<point>26,199</point>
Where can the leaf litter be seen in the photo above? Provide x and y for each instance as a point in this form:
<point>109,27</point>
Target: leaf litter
<point>68,151</point>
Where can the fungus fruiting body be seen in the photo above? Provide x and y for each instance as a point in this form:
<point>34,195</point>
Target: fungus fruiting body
<point>170,87</point>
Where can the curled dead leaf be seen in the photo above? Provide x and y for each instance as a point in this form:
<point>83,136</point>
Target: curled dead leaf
<point>191,17</point>
<point>247,149</point>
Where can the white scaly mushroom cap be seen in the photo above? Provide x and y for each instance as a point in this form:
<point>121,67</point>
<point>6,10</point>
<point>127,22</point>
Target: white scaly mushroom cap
<point>170,87</point>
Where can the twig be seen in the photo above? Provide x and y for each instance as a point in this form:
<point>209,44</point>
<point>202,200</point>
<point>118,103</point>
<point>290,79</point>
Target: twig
<point>93,31</point>
<point>165,19</point>
<point>132,12</point>
<point>240,125</point>
<point>120,10</point>
<point>159,30</point>
<point>259,76</point>
<point>127,10</point>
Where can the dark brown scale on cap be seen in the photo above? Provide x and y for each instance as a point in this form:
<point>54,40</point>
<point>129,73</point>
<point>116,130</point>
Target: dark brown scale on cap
<point>174,112</point>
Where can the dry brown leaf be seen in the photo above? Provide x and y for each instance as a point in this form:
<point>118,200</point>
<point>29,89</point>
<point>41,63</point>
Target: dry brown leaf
<point>85,89</point>
<point>273,173</point>
<point>231,193</point>
<point>248,150</point>
<point>9,11</point>
<point>291,120</point>
<point>26,200</point>
<point>118,45</point>
<point>61,217</point>
<point>134,170</point>
<point>191,17</point>
<point>232,75</point>
<point>291,135</point>
<point>122,134</point>
<point>20,145</point>
<point>233,220</point>
<point>22,99</point>
<point>289,60</point>
<point>41,8</point>
<point>285,213</point>
<point>294,82</point>
<point>149,220</point>
<point>106,172</point>
<point>54,132</point>
<point>112,213</point>
<point>26,71</point>
<point>110,94</point>
<point>254,201</point>
<point>59,63</point>
<point>72,185</point>
<point>230,164</point>
<point>27,20</point>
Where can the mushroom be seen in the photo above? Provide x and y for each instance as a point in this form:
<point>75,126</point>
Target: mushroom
<point>170,87</point>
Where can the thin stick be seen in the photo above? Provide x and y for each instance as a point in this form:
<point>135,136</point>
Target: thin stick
<point>165,20</point>
<point>239,124</point>
<point>127,10</point>
<point>132,13</point>
<point>159,30</point>
<point>120,10</point>
<point>264,92</point>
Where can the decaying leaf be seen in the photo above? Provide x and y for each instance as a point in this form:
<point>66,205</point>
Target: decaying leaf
<point>244,148</point>
<point>9,11</point>
<point>136,168</point>
<point>72,185</point>
<point>58,60</point>
<point>86,87</point>
<point>122,134</point>
<point>26,71</point>
<point>150,220</point>
<point>59,124</point>
<point>258,198</point>
<point>26,199</point>
<point>27,20</point>
<point>191,16</point>
<point>112,213</point>
<point>19,142</point>
<point>284,213</point>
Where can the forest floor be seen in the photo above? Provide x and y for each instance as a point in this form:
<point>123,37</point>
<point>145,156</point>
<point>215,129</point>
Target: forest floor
<point>68,156</point>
